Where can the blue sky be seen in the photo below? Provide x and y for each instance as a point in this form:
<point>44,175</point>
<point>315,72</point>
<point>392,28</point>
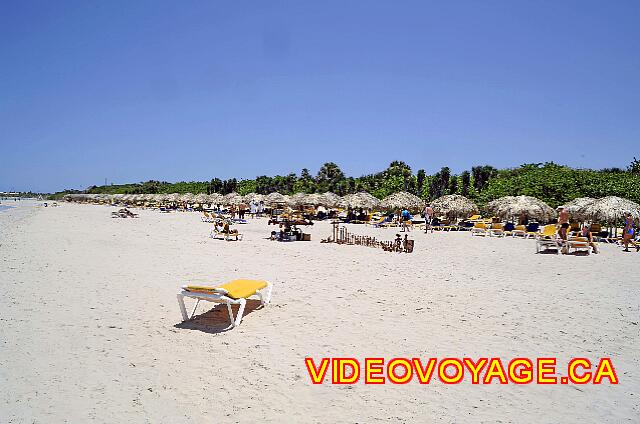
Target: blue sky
<point>190,90</point>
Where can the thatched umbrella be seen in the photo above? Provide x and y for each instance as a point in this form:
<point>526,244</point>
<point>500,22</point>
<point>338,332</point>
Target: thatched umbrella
<point>610,210</point>
<point>575,206</point>
<point>202,198</point>
<point>454,206</point>
<point>402,200</point>
<point>298,199</point>
<point>274,198</point>
<point>232,199</point>
<point>362,200</point>
<point>187,198</point>
<point>315,199</point>
<point>173,197</point>
<point>330,199</point>
<point>215,198</point>
<point>514,206</point>
<point>253,197</point>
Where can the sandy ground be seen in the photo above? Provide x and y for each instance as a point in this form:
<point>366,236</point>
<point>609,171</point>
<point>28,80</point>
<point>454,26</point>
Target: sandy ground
<point>90,327</point>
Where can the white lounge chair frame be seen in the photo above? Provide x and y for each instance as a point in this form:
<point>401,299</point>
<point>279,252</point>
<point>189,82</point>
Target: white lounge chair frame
<point>543,243</point>
<point>497,232</point>
<point>214,233</point>
<point>220,296</point>
<point>578,245</point>
<point>479,231</point>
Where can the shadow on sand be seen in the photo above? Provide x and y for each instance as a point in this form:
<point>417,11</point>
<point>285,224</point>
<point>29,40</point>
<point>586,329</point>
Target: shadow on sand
<point>216,320</point>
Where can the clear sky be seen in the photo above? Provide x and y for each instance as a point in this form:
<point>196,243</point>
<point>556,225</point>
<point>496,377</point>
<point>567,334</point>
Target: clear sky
<point>190,90</point>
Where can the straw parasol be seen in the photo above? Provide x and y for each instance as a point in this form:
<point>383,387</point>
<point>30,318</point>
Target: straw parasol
<point>575,206</point>
<point>253,197</point>
<point>232,199</point>
<point>298,199</point>
<point>610,210</point>
<point>514,206</point>
<point>454,206</point>
<point>315,199</point>
<point>401,200</point>
<point>187,198</point>
<point>330,199</point>
<point>202,198</point>
<point>215,198</point>
<point>359,200</point>
<point>275,197</point>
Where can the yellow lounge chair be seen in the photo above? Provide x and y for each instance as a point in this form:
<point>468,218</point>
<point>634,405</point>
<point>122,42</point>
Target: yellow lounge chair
<point>497,229</point>
<point>223,231</point>
<point>548,238</point>
<point>234,292</point>
<point>519,231</point>
<point>578,244</point>
<point>474,218</point>
<point>479,228</point>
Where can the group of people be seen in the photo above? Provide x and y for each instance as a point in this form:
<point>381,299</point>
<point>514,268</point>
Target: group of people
<point>628,233</point>
<point>254,208</point>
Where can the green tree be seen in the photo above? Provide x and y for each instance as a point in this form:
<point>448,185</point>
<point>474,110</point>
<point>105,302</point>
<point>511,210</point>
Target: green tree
<point>634,167</point>
<point>421,176</point>
<point>328,177</point>
<point>439,183</point>
<point>465,178</point>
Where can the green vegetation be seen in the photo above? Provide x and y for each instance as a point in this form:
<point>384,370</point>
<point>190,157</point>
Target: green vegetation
<point>555,184</point>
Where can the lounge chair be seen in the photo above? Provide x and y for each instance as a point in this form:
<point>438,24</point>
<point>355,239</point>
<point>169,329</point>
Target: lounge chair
<point>474,218</point>
<point>533,230</point>
<point>234,292</point>
<point>497,229</point>
<point>206,217</point>
<point>519,231</point>
<point>548,238</point>
<point>221,230</point>
<point>479,228</point>
<point>578,244</point>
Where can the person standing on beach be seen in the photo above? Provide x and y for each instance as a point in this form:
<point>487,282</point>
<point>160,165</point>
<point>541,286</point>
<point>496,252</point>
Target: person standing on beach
<point>260,208</point>
<point>563,222</point>
<point>406,220</point>
<point>428,216</point>
<point>628,231</point>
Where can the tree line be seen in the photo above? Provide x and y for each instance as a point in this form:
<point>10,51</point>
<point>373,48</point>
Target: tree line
<point>553,183</point>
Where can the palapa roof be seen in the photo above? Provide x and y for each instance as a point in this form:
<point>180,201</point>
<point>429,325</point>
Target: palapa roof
<point>232,199</point>
<point>401,200</point>
<point>610,210</point>
<point>359,200</point>
<point>513,206</point>
<point>215,198</point>
<point>253,197</point>
<point>330,199</point>
<point>454,205</point>
<point>575,206</point>
<point>298,199</point>
<point>275,197</point>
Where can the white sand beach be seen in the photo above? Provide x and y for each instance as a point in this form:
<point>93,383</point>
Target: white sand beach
<point>91,331</point>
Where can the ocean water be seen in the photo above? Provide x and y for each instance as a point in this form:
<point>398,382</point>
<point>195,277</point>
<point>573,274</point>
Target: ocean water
<point>4,207</point>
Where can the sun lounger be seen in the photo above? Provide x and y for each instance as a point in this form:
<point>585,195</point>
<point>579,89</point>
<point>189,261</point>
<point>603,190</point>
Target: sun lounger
<point>533,230</point>
<point>578,244</point>
<point>519,231</point>
<point>206,217</point>
<point>548,238</point>
<point>235,292</point>
<point>225,234</point>
<point>479,228</point>
<point>497,229</point>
